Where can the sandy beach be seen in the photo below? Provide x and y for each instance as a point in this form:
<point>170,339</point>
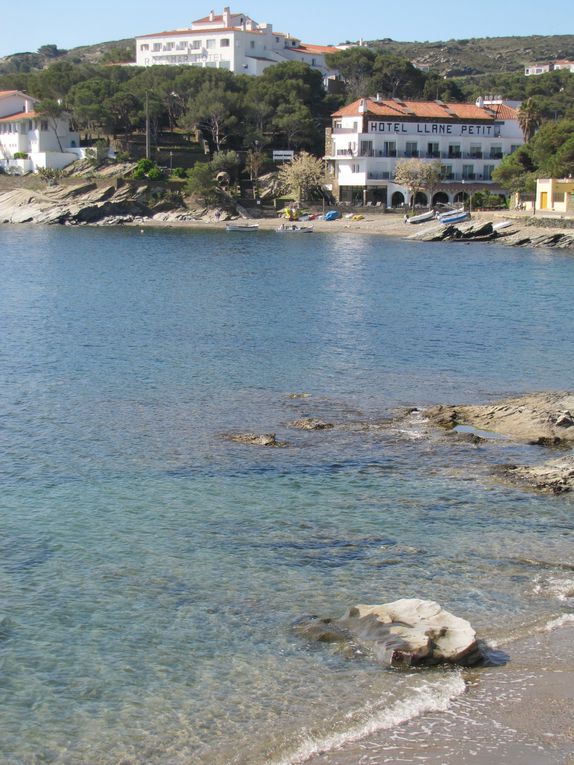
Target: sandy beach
<point>379,224</point>
<point>522,712</point>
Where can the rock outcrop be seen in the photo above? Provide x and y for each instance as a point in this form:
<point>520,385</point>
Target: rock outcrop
<point>555,476</point>
<point>539,418</point>
<point>256,439</point>
<point>405,633</point>
<point>311,423</point>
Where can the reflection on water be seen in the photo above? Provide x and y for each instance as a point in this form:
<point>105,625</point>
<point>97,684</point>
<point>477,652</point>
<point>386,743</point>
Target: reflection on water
<point>151,569</point>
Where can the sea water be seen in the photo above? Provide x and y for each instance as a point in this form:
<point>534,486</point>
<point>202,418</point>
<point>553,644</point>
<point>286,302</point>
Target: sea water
<point>151,569</point>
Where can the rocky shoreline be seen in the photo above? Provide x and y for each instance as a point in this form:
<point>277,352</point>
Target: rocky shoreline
<point>111,201</point>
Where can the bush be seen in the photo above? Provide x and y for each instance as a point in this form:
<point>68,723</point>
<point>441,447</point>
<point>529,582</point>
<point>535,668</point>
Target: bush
<point>179,172</point>
<point>155,174</point>
<point>20,155</point>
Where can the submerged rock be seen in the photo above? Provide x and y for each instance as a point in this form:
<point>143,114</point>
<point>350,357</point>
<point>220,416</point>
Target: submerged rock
<point>311,423</point>
<point>405,633</point>
<point>256,439</point>
<point>555,476</point>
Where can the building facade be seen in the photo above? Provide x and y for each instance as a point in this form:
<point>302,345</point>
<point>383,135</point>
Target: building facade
<point>548,66</point>
<point>230,41</point>
<point>46,142</point>
<point>370,136</point>
<point>555,195</point>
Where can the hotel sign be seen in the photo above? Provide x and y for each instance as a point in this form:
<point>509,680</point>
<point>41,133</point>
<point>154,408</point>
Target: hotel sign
<point>435,129</point>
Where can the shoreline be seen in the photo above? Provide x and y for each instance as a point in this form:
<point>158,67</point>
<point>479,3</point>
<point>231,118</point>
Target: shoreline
<point>391,226</point>
<point>520,712</point>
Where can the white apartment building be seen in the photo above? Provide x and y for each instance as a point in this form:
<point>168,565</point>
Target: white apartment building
<point>231,41</point>
<point>369,136</point>
<point>47,142</point>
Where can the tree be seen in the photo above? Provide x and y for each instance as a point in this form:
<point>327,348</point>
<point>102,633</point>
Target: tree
<point>302,176</point>
<point>355,65</point>
<point>396,76</point>
<point>214,111</point>
<point>201,182</point>
<point>516,172</point>
<point>52,111</point>
<point>529,118</point>
<point>253,163</point>
<point>51,51</point>
<point>417,175</point>
<point>226,162</point>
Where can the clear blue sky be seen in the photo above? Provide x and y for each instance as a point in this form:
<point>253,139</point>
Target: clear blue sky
<point>69,24</point>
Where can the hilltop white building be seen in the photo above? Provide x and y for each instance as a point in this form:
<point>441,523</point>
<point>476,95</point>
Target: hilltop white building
<point>369,136</point>
<point>548,66</point>
<point>231,41</point>
<point>47,142</point>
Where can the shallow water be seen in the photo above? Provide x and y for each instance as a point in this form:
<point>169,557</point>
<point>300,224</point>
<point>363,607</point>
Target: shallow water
<point>150,569</point>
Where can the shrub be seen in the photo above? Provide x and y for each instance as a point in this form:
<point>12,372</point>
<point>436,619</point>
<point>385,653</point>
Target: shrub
<point>155,174</point>
<point>20,155</point>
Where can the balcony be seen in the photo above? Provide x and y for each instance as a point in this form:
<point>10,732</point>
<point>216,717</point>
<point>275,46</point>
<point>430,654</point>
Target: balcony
<point>379,176</point>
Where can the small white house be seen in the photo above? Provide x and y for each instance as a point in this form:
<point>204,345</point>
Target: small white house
<point>47,142</point>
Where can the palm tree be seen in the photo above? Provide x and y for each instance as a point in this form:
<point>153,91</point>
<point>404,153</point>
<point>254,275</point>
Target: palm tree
<point>529,118</point>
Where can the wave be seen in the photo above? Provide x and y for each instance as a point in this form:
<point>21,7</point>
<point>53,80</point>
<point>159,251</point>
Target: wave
<point>560,621</point>
<point>430,697</point>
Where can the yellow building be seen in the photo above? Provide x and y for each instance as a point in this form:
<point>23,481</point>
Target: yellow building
<point>555,195</point>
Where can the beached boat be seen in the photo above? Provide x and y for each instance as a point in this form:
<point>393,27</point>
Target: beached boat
<point>294,228</point>
<point>245,227</point>
<point>422,218</point>
<point>458,217</point>
<point>502,224</point>
<point>449,213</point>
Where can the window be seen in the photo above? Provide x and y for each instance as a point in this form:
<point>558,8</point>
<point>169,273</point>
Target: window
<point>337,124</point>
<point>44,125</point>
<point>224,42</point>
<point>514,148</point>
<point>252,44</point>
<point>411,149</point>
<point>487,172</point>
<point>476,151</point>
<point>468,172</point>
<point>355,168</point>
<point>433,150</point>
<point>454,151</point>
<point>168,46</point>
<point>156,46</point>
<point>446,172</point>
<point>145,46</point>
<point>210,44</point>
<point>196,44</point>
<point>496,152</point>
<point>389,149</point>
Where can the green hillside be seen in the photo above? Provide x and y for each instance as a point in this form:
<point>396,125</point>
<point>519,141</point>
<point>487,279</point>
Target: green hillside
<point>486,55</point>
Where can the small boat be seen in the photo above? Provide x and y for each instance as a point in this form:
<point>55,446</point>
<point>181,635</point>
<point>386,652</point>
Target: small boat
<point>450,213</point>
<point>294,228</point>
<point>458,217</point>
<point>242,227</point>
<point>502,224</point>
<point>422,218</point>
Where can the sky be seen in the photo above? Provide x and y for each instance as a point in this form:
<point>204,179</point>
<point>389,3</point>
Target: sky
<point>68,25</point>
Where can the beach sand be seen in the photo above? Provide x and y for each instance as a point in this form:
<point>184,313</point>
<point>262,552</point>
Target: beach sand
<point>373,223</point>
<point>522,712</point>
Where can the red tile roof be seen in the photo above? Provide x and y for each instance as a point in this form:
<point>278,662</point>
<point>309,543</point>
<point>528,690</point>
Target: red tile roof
<point>186,32</point>
<point>308,48</point>
<point>426,110</point>
<point>20,116</point>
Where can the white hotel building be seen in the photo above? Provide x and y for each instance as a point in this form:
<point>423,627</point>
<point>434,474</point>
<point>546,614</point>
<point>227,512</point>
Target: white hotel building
<point>369,136</point>
<point>231,41</point>
<point>49,143</point>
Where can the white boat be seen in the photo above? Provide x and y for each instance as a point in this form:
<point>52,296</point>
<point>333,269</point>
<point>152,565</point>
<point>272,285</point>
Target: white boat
<point>242,227</point>
<point>502,224</point>
<point>294,228</point>
<point>422,218</point>
<point>458,217</point>
<point>450,213</point>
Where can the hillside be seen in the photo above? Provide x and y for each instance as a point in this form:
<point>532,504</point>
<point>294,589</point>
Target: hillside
<point>105,52</point>
<point>453,58</point>
<point>486,55</point>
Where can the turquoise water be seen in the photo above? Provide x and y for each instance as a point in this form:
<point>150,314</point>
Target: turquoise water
<point>150,569</point>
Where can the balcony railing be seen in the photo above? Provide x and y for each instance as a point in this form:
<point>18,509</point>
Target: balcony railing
<point>425,155</point>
